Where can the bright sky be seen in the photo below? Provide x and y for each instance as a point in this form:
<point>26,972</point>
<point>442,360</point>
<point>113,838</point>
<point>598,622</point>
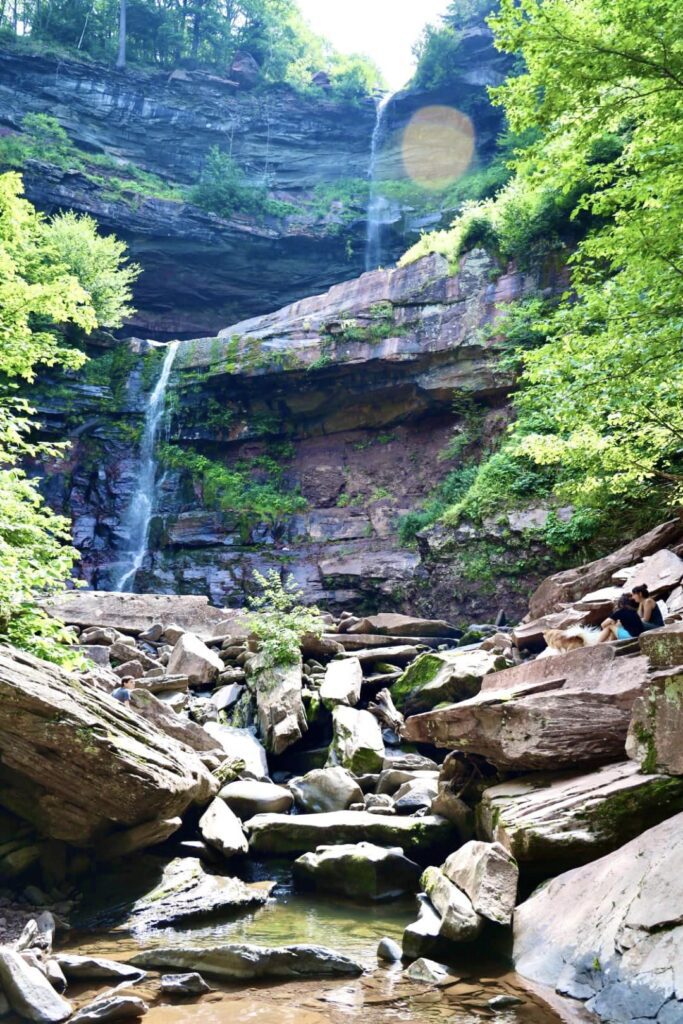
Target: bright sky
<point>385,30</point>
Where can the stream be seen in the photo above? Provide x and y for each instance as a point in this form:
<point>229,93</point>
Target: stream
<point>380,996</point>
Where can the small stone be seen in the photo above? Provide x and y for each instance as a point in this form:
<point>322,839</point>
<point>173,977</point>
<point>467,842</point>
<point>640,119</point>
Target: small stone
<point>430,972</point>
<point>191,984</point>
<point>388,950</point>
<point>502,1002</point>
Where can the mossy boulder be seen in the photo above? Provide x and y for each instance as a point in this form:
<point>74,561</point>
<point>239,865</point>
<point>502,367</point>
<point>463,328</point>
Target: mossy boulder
<point>358,871</point>
<point>444,678</point>
<point>654,736</point>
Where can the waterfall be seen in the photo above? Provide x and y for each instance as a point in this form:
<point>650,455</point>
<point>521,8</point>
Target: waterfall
<point>377,203</point>
<point>138,515</point>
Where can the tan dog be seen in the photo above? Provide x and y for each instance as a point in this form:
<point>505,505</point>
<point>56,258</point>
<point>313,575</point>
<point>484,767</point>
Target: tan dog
<point>561,643</point>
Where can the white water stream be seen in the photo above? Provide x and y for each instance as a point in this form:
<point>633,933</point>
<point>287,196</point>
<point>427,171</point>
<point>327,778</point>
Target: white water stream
<point>378,205</point>
<point>138,517</point>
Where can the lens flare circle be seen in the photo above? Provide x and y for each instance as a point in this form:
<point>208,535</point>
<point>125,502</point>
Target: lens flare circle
<point>438,145</point>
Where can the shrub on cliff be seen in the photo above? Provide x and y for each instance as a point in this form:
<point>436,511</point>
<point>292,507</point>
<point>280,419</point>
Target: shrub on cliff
<point>40,297</point>
<point>279,620</point>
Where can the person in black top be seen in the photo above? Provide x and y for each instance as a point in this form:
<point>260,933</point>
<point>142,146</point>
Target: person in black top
<point>648,609</point>
<point>624,622</point>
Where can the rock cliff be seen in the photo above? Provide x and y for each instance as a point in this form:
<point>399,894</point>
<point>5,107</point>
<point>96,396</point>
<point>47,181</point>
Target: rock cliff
<point>343,400</point>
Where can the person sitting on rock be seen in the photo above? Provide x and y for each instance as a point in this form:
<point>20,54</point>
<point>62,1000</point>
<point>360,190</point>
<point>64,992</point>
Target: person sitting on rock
<point>122,692</point>
<point>624,623</point>
<point>648,609</point>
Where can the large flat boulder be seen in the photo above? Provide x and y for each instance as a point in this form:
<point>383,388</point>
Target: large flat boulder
<point>276,834</point>
<point>571,718</point>
<point>565,587</point>
<point>655,734</point>
<point>186,893</point>
<point>443,677</point>
<point>78,764</point>
<point>358,870</point>
<point>281,714</point>
<point>135,613</point>
<point>393,624</point>
<point>246,962</point>
<point>611,932</point>
<point>357,742</point>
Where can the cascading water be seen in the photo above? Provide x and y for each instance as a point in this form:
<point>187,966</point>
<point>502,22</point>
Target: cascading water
<point>377,203</point>
<point>138,517</point>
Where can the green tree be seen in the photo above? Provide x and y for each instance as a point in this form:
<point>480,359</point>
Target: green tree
<point>279,620</point>
<point>40,296</point>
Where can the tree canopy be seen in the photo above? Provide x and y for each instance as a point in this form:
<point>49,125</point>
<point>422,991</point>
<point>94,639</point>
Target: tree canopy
<point>601,394</point>
<point>55,275</point>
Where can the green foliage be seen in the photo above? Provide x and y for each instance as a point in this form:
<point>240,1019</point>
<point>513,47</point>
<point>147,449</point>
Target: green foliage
<point>224,189</point>
<point>39,296</point>
<point>237,488</point>
<point>279,620</point>
<point>504,480</point>
<point>450,491</point>
<point>441,58</point>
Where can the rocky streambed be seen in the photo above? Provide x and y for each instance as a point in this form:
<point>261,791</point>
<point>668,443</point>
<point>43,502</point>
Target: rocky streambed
<point>360,832</point>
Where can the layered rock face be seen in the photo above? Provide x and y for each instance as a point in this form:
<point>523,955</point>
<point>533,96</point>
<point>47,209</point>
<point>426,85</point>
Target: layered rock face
<point>200,268</point>
<point>357,384</point>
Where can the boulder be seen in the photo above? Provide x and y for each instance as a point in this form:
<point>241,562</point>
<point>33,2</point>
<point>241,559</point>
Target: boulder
<point>191,984</point>
<point>247,797</point>
<point>134,613</point>
<point>423,935</point>
<point>611,932</point>
<point>664,647</point>
<point>221,829</point>
<point>326,789</point>
<point>391,779</point>
<point>277,834</point>
<point>392,624</point>
<point>459,920</point>
<point>444,677</point>
<point>122,654</point>
<point>572,718</point>
<point>488,874</point>
<point>164,718</point>
<point>185,892</point>
<point>430,972</point>
<point>567,819</point>
<point>279,702</point>
<point>415,795</point>
<point>388,950</point>
<point>654,735</point>
<point>111,1007</point>
<point>659,572</point>
<point>225,696</point>
<point>359,871</point>
<point>120,844</point>
<point>246,962</point>
<point>240,745</point>
<point>564,587</point>
<point>75,967</point>
<point>78,764</point>
<point>400,654</point>
<point>192,658</point>
<point>28,991</point>
<point>357,742</point>
<point>342,683</point>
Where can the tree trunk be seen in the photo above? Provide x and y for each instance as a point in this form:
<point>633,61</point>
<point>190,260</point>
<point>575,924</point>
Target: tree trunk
<point>121,59</point>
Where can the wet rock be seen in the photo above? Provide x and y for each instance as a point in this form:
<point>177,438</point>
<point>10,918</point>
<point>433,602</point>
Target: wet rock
<point>654,735</point>
<point>76,967</point>
<point>111,1007</point>
<point>488,874</point>
<point>572,719</point>
<point>568,819</point>
<point>282,834</point>
<point>326,789</point>
<point>281,714</point>
<point>459,920</point>
<point>241,746</point>
<point>423,935</point>
<point>610,932</point>
<point>358,871</point>
<point>342,683</point>
<point>504,1002</point>
<point>389,950</point>
<point>78,764</point>
<point>191,984</point>
<point>444,678</point>
<point>221,828</point>
<point>357,742</point>
<point>186,892</point>
<point>192,658</point>
<point>246,961</point>
<point>415,795</point>
<point>247,798</point>
<point>29,992</point>
<point>430,972</point>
